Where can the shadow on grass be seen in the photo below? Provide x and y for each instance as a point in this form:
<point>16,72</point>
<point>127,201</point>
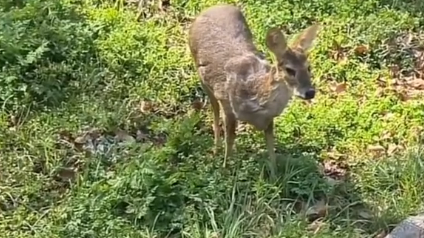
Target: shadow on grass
<point>44,64</point>
<point>331,194</point>
<point>180,188</point>
<point>51,52</point>
<point>374,196</point>
<point>414,7</point>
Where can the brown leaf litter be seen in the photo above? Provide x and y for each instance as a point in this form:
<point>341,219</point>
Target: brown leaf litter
<point>317,210</point>
<point>338,52</point>
<point>407,84</point>
<point>338,88</point>
<point>91,138</point>
<point>66,174</point>
<point>378,150</point>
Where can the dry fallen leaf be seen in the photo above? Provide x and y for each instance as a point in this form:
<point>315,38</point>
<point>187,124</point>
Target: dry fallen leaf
<point>381,92</point>
<point>66,136</point>
<point>381,234</point>
<point>361,49</point>
<point>82,139</point>
<point>386,135</point>
<point>394,71</point>
<point>388,116</point>
<point>320,209</point>
<point>146,106</point>
<point>397,82</point>
<point>335,170</point>
<point>66,174</point>
<point>338,87</point>
<point>95,133</point>
<point>393,148</point>
<point>382,82</point>
<point>335,155</point>
<point>376,148</point>
<point>214,235</point>
<point>404,95</point>
<point>123,136</point>
<point>416,83</point>
<point>13,120</point>
<point>141,136</point>
<point>316,226</point>
<point>338,52</point>
<point>163,5</point>
<point>365,214</point>
<point>197,104</point>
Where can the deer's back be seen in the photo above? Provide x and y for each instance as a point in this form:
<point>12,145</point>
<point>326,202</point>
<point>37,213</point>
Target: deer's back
<point>216,35</point>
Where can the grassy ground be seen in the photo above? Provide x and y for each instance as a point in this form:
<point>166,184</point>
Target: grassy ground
<point>102,134</point>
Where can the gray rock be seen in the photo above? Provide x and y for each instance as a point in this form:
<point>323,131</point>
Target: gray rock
<point>411,227</point>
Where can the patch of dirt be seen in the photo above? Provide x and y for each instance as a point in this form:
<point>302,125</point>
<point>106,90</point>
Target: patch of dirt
<point>90,141</point>
<point>336,170</point>
<point>150,8</point>
<point>411,47</point>
<point>77,146</point>
<point>403,54</point>
<point>94,140</point>
<point>405,58</point>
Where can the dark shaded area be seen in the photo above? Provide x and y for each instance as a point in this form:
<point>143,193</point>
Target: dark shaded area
<point>308,179</point>
<point>47,51</point>
<point>49,56</point>
<point>413,7</point>
<point>330,181</point>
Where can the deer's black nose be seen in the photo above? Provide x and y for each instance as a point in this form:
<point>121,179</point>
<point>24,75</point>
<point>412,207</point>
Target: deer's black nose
<point>310,94</point>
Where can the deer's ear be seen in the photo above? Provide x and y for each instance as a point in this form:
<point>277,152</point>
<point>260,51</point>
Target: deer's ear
<point>273,74</point>
<point>306,38</point>
<point>276,42</point>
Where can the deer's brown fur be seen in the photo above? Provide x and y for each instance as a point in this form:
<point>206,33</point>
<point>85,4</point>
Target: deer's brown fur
<point>239,80</point>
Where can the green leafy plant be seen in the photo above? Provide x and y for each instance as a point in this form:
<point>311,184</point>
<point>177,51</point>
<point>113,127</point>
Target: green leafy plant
<point>103,132</point>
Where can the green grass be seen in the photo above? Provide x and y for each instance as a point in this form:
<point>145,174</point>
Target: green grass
<point>71,69</point>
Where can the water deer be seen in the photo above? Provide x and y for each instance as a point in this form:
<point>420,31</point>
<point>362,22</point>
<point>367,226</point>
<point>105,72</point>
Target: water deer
<point>239,80</point>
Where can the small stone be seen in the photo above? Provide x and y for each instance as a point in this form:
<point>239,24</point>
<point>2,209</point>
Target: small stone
<point>412,227</point>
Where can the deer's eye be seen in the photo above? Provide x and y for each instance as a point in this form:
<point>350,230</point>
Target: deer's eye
<point>291,71</point>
